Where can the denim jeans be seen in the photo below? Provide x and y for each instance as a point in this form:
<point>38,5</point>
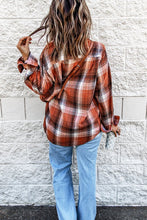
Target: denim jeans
<point>61,159</point>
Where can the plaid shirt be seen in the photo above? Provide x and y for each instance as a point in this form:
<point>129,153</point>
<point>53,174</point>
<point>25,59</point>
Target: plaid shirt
<point>75,118</point>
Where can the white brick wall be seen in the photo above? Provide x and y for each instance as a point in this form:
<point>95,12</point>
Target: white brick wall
<point>13,108</point>
<point>25,171</point>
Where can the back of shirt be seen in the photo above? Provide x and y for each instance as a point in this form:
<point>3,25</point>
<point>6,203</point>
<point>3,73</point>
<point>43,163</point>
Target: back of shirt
<point>73,119</point>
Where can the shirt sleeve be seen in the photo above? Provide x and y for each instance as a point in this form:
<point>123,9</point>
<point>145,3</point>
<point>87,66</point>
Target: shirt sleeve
<point>37,76</point>
<point>103,93</point>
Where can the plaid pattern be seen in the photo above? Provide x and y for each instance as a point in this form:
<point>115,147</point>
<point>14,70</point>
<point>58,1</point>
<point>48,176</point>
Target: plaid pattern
<point>74,119</point>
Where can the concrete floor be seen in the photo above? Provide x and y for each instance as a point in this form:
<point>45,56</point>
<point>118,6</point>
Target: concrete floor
<point>49,213</point>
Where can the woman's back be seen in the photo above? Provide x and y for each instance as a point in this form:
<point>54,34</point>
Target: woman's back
<point>74,118</point>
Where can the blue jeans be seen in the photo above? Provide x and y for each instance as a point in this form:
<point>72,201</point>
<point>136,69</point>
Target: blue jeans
<point>61,159</point>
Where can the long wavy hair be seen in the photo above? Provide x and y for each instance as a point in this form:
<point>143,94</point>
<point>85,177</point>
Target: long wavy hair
<point>68,24</point>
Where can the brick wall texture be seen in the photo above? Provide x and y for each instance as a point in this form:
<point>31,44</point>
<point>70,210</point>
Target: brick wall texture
<point>25,170</point>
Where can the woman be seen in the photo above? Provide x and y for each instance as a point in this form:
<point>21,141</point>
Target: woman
<point>83,110</point>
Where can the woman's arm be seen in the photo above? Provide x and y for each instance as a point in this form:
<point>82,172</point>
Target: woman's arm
<point>103,92</point>
<point>37,76</point>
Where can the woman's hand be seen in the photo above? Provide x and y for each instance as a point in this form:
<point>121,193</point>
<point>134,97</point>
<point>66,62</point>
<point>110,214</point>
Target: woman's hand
<point>23,46</point>
<point>116,129</point>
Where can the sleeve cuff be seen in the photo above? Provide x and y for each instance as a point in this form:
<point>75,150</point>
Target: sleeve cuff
<point>31,60</point>
<point>108,127</point>
<point>28,73</point>
<point>115,121</point>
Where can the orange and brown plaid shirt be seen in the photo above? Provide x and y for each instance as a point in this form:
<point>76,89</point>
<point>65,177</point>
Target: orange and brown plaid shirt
<point>74,119</point>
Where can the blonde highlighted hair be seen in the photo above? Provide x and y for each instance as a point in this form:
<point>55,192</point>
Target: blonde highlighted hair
<point>68,25</point>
